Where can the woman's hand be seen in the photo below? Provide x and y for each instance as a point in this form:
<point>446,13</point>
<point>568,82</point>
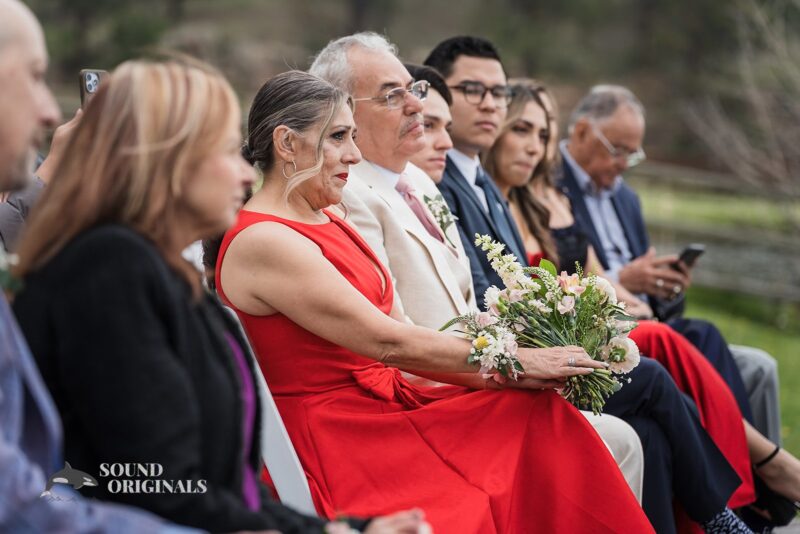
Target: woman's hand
<point>638,309</point>
<point>60,140</point>
<point>557,363</point>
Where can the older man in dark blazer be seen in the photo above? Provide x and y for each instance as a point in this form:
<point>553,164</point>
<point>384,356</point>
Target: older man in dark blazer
<point>604,139</point>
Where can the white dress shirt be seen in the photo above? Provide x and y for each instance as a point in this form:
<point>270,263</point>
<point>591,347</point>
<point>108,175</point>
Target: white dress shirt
<point>468,167</point>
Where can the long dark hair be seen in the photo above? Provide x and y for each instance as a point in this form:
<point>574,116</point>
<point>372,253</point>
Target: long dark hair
<point>534,213</point>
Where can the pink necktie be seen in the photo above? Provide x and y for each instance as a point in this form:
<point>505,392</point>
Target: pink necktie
<point>405,189</point>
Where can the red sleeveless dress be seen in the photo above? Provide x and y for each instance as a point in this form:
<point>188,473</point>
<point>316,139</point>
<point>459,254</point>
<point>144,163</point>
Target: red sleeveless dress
<point>475,461</point>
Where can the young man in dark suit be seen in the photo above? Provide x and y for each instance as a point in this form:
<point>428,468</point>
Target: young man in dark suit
<point>473,71</point>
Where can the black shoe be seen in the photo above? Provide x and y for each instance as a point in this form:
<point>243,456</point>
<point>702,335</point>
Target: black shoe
<point>770,508</point>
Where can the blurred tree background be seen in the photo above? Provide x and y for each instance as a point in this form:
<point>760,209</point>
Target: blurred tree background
<point>720,81</point>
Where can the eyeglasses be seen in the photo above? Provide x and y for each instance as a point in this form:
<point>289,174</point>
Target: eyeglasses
<point>632,157</point>
<point>396,97</point>
<point>475,92</point>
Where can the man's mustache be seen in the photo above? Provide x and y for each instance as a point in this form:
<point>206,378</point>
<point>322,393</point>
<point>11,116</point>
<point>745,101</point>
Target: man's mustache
<point>413,121</point>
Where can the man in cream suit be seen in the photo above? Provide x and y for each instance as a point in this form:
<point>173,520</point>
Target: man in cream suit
<point>428,265</point>
<point>385,200</point>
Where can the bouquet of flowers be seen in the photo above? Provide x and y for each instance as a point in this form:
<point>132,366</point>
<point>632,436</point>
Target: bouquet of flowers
<point>551,310</point>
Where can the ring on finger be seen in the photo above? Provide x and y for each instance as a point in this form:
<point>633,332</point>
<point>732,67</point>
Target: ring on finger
<point>659,283</point>
<point>677,289</point>
<point>571,361</point>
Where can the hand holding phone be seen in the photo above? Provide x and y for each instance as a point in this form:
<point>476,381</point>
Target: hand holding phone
<point>89,81</point>
<point>689,255</point>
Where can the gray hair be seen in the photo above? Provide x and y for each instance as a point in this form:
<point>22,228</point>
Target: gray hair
<point>9,9</point>
<point>602,101</point>
<point>331,63</point>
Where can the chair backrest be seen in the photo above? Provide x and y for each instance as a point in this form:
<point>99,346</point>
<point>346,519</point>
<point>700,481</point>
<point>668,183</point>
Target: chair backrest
<point>280,457</point>
<point>277,450</point>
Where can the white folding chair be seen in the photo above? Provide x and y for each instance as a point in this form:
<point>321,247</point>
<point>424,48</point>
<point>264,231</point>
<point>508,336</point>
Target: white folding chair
<point>279,455</point>
<point>277,450</point>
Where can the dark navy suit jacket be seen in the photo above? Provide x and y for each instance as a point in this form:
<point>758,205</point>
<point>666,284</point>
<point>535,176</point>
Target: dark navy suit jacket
<point>626,204</point>
<point>472,219</point>
<point>629,211</point>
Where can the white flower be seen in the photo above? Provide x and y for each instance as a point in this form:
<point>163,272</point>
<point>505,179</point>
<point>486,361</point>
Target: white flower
<point>605,286</point>
<point>515,295</point>
<point>622,354</point>
<point>490,299</point>
<point>567,305</point>
<point>542,308</point>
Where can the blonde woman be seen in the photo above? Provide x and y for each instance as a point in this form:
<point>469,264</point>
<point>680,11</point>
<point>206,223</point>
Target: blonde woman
<point>144,366</point>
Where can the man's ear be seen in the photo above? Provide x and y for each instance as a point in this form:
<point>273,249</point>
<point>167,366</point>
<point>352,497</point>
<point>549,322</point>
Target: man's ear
<point>580,130</point>
<point>285,141</point>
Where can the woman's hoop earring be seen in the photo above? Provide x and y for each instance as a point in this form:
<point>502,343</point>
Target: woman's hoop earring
<point>283,169</point>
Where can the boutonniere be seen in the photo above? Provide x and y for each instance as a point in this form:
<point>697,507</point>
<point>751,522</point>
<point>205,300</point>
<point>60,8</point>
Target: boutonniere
<point>441,213</point>
<point>8,282</point>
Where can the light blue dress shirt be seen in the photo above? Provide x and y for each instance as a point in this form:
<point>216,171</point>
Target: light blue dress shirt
<point>604,216</point>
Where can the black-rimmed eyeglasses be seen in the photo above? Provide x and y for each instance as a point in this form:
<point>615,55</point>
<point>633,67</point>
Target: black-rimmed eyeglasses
<point>475,92</point>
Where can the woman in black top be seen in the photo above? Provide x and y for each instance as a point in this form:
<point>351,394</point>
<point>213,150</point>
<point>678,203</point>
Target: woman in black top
<point>146,368</point>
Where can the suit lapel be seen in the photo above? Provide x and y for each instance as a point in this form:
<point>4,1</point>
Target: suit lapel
<point>516,246</point>
<point>409,222</point>
<point>463,185</point>
<point>626,220</point>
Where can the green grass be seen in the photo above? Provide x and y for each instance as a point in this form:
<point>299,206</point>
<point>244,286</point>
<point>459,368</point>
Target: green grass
<point>747,320</point>
<point>713,209</point>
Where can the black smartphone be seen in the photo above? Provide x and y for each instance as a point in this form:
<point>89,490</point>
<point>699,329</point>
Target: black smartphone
<point>690,254</point>
<point>89,81</point>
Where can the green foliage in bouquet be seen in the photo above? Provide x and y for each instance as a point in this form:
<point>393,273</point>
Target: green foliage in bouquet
<point>543,309</point>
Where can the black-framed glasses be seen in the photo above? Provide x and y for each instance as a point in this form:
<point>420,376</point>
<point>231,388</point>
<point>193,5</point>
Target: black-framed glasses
<point>631,157</point>
<point>475,92</point>
<point>396,97</point>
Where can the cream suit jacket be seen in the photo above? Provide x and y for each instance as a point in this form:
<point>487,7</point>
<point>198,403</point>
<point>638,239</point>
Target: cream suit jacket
<point>432,278</point>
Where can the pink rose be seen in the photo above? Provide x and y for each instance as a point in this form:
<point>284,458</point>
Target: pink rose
<point>485,319</point>
<point>570,284</point>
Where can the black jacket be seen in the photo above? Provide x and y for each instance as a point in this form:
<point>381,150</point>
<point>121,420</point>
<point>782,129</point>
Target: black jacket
<point>142,373</point>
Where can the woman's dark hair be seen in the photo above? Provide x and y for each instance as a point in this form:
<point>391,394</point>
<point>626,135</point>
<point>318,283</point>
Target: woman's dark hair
<point>534,213</point>
<point>432,76</point>
<point>295,99</point>
<point>445,54</point>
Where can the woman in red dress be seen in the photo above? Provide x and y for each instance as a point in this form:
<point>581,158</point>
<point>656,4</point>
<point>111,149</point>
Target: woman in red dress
<point>477,459</point>
<point>548,229</point>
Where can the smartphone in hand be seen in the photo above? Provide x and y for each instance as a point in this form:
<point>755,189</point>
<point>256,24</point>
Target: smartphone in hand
<point>690,254</point>
<point>89,81</point>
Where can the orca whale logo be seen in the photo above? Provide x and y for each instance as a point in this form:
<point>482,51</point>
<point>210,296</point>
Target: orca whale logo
<point>68,475</point>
